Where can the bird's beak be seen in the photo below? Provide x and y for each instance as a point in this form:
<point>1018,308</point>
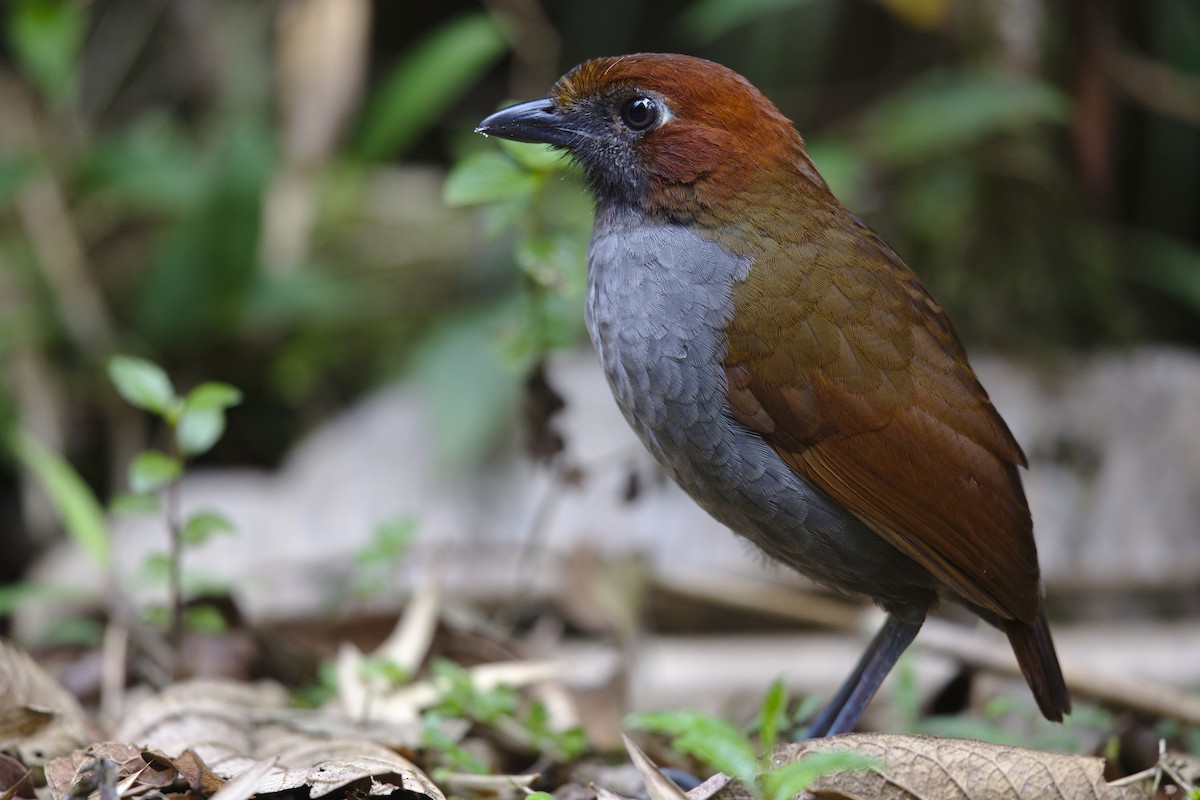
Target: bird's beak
<point>534,121</point>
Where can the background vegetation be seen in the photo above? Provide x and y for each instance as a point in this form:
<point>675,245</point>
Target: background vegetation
<point>254,192</point>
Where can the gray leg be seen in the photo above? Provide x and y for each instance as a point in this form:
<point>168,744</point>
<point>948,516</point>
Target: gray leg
<point>842,712</point>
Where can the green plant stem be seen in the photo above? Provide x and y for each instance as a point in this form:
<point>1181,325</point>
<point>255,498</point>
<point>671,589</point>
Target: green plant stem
<point>175,578</point>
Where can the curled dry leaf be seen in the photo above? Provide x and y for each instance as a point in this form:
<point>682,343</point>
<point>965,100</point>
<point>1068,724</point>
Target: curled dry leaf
<point>932,768</point>
<point>197,714</point>
<point>359,767</point>
<point>36,712</point>
<point>231,727</point>
<point>14,778</point>
<point>134,770</point>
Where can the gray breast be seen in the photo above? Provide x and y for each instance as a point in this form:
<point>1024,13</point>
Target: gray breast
<point>658,300</point>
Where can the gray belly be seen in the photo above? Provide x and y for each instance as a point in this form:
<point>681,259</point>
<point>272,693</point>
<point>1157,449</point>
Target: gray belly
<point>658,300</point>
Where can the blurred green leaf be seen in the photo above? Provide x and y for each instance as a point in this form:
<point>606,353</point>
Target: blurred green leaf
<point>203,525</point>
<point>431,77</point>
<point>312,296</point>
<point>150,166</point>
<point>151,470</point>
<point>199,429</point>
<point>46,36</point>
<point>772,715</point>
<point>707,20</point>
<point>552,260</point>
<point>129,503</point>
<point>538,157</point>
<point>469,393</point>
<point>204,618</point>
<point>142,383</point>
<point>714,741</point>
<point>156,568</point>
<point>200,280</point>
<point>1169,265</point>
<point>20,593</point>
<point>949,111</point>
<point>212,395</point>
<point>390,541</point>
<point>488,176</point>
<point>435,739</point>
<point>791,779</point>
<point>157,615</point>
<point>843,167</point>
<point>80,513</point>
<point>14,172</point>
<point>74,631</point>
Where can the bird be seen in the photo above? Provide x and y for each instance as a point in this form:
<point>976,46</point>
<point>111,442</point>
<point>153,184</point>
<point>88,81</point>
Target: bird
<point>783,364</point>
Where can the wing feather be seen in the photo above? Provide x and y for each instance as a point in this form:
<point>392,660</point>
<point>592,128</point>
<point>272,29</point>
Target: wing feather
<point>859,382</point>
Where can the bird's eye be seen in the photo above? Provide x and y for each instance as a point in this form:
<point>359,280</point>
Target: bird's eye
<point>639,113</point>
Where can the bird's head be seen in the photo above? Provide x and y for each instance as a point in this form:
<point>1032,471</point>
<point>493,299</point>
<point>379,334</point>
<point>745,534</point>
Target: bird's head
<point>671,135</point>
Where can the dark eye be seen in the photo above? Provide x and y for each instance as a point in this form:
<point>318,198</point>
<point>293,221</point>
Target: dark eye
<point>639,113</point>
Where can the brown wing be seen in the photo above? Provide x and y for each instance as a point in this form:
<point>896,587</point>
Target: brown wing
<point>840,358</point>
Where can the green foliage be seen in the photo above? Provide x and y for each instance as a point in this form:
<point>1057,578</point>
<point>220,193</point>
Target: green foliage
<point>772,715</point>
<point>523,195</point>
<point>1169,266</point>
<point>143,384</point>
<point>199,282</point>
<point>1003,720</point>
<point>470,390</point>
<point>202,421</point>
<point>789,780</point>
<point>45,36</point>
<point>390,543</point>
<point>706,20</point>
<point>195,421</point>
<point>432,76</point>
<point>564,745</point>
<point>385,669</point>
<point>707,738</point>
<point>322,691</point>
<point>203,525</point>
<point>454,757</point>
<point>944,112</point>
<point>488,176</point>
<point>500,707</point>
<point>461,698</point>
<point>204,618</point>
<point>376,563</point>
<point>150,471</point>
<point>73,501</point>
<point>724,748</point>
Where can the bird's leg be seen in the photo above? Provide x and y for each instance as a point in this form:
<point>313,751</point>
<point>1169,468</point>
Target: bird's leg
<point>841,714</point>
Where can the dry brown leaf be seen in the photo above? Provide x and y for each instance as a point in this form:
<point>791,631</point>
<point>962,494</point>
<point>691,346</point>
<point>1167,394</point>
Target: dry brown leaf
<point>658,785</point>
<point>21,722</point>
<point>199,776</point>
<point>229,727</point>
<point>189,715</point>
<point>14,778</point>
<point>63,773</point>
<point>710,788</point>
<point>245,784</point>
<point>933,768</point>
<point>36,712</point>
<point>327,766</point>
